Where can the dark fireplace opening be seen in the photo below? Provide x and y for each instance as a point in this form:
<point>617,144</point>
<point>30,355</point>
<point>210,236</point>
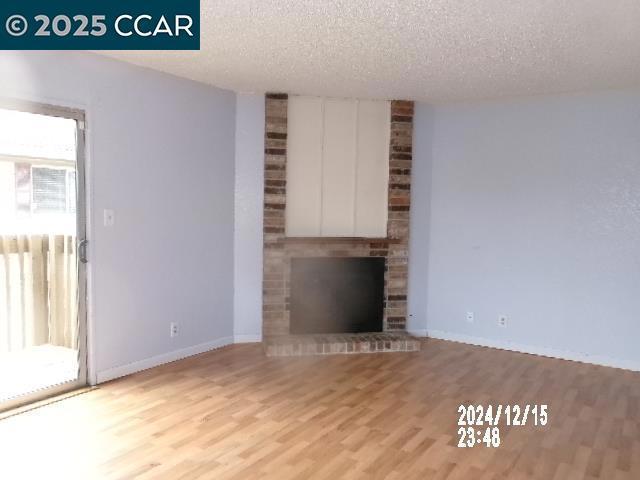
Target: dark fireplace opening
<point>336,295</point>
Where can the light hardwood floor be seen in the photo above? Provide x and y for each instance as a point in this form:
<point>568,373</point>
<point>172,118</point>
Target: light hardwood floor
<point>235,414</point>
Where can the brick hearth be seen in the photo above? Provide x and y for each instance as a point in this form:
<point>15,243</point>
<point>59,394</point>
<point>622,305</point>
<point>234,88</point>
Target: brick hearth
<point>295,345</point>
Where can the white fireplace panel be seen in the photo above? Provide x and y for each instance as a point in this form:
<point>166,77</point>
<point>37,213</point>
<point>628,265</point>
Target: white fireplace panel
<point>372,177</point>
<point>304,167</point>
<point>337,167</point>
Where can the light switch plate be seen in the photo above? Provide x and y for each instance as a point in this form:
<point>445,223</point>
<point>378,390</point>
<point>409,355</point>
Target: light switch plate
<point>109,218</point>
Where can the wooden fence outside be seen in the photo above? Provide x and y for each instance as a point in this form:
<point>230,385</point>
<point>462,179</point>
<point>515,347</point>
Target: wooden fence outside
<point>38,291</point>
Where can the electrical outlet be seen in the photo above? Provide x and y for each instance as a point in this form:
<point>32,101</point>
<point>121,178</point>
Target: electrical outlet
<point>470,317</point>
<point>502,321</point>
<point>174,329</point>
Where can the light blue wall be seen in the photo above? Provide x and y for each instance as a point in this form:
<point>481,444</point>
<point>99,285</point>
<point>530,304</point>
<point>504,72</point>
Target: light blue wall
<point>248,217</point>
<point>161,154</point>
<point>420,223</point>
<point>534,214</point>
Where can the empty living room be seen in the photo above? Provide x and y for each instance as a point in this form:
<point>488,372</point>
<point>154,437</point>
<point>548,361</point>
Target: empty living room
<point>320,240</point>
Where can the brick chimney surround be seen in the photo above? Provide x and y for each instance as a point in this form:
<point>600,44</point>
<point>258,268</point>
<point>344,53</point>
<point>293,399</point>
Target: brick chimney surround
<point>280,249</point>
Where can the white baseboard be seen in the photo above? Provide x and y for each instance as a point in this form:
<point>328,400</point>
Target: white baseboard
<point>134,367</point>
<point>247,338</point>
<point>543,351</point>
<point>417,333</point>
<point>147,363</point>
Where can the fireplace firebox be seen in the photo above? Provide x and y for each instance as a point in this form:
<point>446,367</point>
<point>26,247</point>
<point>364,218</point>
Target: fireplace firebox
<point>336,295</point>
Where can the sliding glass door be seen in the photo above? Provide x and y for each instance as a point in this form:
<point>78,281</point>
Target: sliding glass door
<point>42,252</point>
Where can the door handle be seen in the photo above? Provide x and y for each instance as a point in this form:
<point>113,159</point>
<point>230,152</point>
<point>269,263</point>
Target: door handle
<point>82,250</point>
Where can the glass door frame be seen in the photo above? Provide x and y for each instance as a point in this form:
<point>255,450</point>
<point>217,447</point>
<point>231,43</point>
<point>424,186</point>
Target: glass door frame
<point>81,239</point>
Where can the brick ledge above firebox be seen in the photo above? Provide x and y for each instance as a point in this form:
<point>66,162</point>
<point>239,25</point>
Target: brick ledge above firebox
<point>341,240</point>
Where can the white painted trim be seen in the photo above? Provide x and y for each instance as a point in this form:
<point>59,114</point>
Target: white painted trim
<point>543,351</point>
<point>134,367</point>
<point>247,338</point>
<point>147,363</point>
<point>417,333</point>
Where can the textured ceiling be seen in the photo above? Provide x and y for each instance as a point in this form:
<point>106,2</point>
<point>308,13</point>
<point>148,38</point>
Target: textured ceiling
<point>435,51</point>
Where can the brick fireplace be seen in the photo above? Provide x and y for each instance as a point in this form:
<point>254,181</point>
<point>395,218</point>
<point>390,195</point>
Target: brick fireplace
<point>279,249</point>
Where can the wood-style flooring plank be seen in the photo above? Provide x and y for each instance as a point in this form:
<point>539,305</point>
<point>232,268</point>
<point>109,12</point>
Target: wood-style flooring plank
<point>234,414</point>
